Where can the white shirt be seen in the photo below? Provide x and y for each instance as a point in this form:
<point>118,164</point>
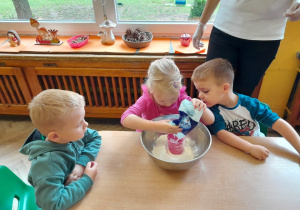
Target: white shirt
<point>253,19</point>
<point>233,122</point>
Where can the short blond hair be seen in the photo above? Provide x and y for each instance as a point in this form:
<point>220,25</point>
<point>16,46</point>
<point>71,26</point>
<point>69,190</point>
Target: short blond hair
<point>219,69</point>
<point>163,75</point>
<point>48,110</point>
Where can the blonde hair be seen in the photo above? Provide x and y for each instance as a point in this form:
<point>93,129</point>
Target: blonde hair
<point>48,110</point>
<point>219,69</point>
<point>163,75</point>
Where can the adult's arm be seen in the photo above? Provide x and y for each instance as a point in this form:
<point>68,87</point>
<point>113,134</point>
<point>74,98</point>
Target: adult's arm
<point>293,13</point>
<point>208,10</point>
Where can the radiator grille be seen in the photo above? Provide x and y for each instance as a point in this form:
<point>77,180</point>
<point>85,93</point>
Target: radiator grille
<point>10,90</point>
<point>102,91</point>
<point>98,91</point>
<point>107,92</point>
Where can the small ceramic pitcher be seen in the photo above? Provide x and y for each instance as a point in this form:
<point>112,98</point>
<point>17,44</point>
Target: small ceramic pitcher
<point>107,37</point>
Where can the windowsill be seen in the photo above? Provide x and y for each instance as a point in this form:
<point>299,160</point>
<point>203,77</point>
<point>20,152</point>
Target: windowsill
<point>160,46</point>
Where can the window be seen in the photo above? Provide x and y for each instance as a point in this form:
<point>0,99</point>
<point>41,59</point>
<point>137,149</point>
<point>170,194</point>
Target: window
<point>72,17</point>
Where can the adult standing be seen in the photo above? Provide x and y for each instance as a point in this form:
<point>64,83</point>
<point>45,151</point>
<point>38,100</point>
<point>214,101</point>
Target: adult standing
<point>247,33</point>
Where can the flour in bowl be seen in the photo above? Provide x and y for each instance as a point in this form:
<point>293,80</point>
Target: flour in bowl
<point>161,151</point>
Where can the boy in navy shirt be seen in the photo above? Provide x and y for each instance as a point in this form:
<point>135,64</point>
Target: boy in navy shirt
<point>236,114</point>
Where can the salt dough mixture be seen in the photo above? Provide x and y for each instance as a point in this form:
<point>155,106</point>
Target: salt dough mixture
<point>161,151</point>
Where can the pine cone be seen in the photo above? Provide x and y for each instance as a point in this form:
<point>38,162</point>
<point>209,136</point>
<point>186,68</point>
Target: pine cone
<point>128,32</point>
<point>136,36</point>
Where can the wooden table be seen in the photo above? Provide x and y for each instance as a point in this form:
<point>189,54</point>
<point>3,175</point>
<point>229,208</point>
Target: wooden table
<point>224,178</point>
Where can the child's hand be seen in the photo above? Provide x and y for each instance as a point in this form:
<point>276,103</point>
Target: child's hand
<point>163,126</point>
<point>75,175</point>
<point>198,104</point>
<point>91,170</point>
<point>259,152</point>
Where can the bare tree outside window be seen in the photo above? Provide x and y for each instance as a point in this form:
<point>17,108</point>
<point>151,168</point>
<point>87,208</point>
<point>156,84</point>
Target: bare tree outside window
<point>23,9</point>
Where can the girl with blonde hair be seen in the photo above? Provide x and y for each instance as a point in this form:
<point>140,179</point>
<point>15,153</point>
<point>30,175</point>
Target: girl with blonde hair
<point>163,93</point>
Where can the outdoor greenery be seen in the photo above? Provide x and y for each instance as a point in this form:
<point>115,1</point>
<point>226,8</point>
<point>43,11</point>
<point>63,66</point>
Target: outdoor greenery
<point>197,9</point>
<point>51,9</point>
<point>153,10</point>
<point>144,10</point>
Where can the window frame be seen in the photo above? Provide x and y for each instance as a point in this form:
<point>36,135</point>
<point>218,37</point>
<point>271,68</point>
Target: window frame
<point>66,28</point>
<point>158,29</point>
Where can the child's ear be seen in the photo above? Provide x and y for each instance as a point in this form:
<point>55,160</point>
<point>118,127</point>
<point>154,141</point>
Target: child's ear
<point>226,87</point>
<point>53,136</point>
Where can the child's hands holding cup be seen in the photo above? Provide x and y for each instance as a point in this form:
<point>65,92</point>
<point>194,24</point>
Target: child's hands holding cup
<point>164,126</point>
<point>198,104</point>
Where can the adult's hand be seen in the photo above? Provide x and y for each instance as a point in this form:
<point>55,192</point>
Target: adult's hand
<point>198,35</point>
<point>293,13</point>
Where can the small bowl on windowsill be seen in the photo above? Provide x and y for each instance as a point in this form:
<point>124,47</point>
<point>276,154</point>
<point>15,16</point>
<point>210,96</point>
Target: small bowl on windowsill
<point>138,45</point>
<point>78,41</point>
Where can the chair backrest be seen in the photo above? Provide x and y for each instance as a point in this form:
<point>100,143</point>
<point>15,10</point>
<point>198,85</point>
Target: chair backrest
<point>11,186</point>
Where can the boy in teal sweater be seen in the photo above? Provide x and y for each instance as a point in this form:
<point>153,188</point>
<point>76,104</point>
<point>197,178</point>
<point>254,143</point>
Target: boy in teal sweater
<point>61,149</point>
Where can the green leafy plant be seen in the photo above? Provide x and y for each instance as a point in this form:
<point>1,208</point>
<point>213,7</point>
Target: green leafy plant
<point>197,8</point>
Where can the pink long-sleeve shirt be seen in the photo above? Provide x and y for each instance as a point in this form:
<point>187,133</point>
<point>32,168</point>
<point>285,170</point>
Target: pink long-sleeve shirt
<point>147,108</point>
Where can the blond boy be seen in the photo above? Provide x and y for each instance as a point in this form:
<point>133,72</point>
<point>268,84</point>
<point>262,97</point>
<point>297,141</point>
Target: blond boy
<point>61,149</point>
<point>237,114</point>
